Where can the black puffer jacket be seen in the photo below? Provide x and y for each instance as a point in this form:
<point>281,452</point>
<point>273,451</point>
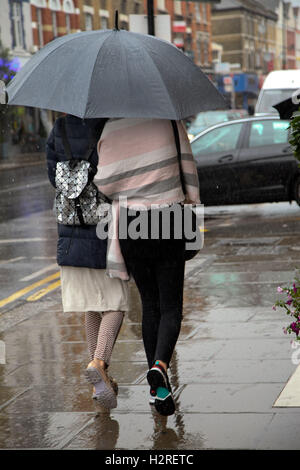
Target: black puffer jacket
<point>77,246</point>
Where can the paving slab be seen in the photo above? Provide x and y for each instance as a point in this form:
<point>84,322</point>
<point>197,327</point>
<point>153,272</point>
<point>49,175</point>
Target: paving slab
<point>233,371</point>
<point>282,433</point>
<point>254,349</point>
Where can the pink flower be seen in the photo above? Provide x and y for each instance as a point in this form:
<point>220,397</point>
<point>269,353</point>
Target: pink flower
<point>284,330</point>
<point>295,328</point>
<point>295,288</point>
<point>274,307</point>
<point>279,289</point>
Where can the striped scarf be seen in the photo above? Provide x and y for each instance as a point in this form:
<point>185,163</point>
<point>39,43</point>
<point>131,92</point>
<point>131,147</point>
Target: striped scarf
<point>138,160</point>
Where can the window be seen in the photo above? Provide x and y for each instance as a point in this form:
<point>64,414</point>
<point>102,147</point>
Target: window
<point>123,6</point>
<point>161,5</point>
<point>17,25</point>
<point>204,12</point>
<point>177,7</point>
<point>40,26</point>
<point>88,22</point>
<point>269,97</point>
<point>223,139</point>
<point>268,133</point>
<point>136,8</point>
<point>54,5</point>
<point>68,24</point>
<point>68,6</point>
<point>104,22</point>
<point>197,11</point>
<point>206,51</point>
<point>199,50</point>
<point>54,24</point>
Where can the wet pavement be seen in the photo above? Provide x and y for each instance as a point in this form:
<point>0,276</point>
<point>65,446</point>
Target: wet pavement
<point>231,362</point>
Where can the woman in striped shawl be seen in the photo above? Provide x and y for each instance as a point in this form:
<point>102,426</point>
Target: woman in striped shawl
<point>138,169</point>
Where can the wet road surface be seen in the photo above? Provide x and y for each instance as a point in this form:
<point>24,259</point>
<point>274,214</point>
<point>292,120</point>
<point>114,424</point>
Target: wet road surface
<point>24,190</point>
<point>230,364</point>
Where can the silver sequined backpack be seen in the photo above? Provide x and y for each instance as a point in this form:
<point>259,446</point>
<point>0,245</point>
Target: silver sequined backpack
<point>77,198</point>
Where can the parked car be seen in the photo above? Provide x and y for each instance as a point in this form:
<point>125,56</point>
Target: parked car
<point>208,118</point>
<point>246,161</point>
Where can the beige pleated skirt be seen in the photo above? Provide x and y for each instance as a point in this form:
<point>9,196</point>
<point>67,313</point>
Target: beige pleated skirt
<point>87,289</point>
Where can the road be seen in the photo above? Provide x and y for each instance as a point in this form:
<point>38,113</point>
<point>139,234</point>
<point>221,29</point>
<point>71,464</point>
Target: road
<point>24,190</point>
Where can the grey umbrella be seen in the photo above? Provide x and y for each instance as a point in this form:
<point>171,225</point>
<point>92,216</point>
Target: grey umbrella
<point>114,73</point>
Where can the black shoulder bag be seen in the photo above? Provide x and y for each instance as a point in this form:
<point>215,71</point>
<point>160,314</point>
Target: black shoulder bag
<point>189,254</point>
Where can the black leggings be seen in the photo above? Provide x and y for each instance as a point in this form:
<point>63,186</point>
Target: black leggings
<point>157,267</point>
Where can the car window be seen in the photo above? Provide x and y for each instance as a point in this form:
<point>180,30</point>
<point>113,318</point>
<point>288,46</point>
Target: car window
<point>268,133</point>
<point>222,139</point>
<point>268,98</point>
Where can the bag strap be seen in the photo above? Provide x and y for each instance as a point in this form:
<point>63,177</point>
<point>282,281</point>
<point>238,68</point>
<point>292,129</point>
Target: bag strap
<point>177,141</point>
<point>65,139</point>
<point>92,144</point>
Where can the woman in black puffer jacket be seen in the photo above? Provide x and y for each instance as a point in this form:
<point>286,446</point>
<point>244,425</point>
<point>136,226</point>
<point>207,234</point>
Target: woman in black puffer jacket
<point>81,256</point>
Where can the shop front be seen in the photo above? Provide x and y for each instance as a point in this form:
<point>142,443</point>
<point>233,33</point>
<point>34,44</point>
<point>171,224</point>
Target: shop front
<point>244,91</point>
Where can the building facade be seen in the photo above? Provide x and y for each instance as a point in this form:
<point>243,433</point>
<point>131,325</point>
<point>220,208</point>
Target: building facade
<point>190,28</point>
<point>290,37</point>
<point>15,30</point>
<point>53,18</point>
<point>100,14</point>
<point>297,30</point>
<point>247,31</point>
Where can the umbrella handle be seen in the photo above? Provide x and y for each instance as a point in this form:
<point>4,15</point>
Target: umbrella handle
<point>117,20</point>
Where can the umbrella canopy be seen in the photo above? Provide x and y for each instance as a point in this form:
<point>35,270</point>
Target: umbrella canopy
<point>286,108</point>
<point>114,73</point>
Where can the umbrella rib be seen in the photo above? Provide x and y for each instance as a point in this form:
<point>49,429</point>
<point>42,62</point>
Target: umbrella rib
<point>88,94</point>
<point>162,81</point>
<point>37,65</point>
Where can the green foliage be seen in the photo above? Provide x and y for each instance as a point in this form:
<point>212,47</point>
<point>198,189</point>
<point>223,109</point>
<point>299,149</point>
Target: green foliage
<point>294,138</point>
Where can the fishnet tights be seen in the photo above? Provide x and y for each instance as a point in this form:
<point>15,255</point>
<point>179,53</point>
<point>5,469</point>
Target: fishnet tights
<point>102,329</point>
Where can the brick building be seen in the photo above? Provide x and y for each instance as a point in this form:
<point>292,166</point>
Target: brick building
<point>290,37</point>
<point>190,28</point>
<point>53,18</point>
<point>15,30</point>
<point>99,14</point>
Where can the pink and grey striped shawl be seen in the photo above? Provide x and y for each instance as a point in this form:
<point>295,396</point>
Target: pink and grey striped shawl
<point>138,160</point>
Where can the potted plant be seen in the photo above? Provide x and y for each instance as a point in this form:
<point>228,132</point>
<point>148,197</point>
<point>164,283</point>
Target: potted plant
<point>291,306</point>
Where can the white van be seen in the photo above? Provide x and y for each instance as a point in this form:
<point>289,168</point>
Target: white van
<point>278,86</point>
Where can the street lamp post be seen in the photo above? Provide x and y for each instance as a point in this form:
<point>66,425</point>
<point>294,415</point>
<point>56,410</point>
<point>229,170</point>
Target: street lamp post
<point>150,17</point>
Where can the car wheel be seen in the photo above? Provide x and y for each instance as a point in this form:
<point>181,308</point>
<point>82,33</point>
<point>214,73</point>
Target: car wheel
<point>297,190</point>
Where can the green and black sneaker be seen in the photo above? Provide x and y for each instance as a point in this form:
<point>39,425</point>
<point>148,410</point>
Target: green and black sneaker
<point>160,390</point>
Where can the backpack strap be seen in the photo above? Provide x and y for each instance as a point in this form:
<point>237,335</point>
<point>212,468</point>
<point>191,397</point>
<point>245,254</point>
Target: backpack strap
<point>93,139</point>
<point>65,139</point>
<point>177,141</point>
